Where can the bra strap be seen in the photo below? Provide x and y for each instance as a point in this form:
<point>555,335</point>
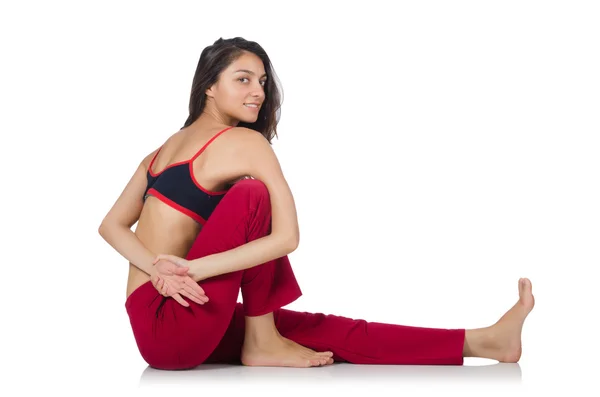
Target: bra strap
<point>154,158</point>
<point>208,143</point>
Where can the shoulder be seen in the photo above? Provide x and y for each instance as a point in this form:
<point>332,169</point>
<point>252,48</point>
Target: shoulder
<point>145,163</point>
<point>244,138</point>
<point>245,132</point>
<point>253,153</point>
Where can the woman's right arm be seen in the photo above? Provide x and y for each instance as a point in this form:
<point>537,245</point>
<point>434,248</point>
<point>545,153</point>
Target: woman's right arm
<point>115,228</point>
<point>254,156</point>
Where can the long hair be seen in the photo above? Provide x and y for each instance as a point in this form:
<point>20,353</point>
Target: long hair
<point>217,57</point>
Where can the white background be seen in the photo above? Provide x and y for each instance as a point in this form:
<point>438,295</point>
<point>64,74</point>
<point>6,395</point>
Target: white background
<point>437,151</point>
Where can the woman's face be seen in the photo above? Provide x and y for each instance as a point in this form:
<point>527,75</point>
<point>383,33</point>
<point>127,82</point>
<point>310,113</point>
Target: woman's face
<point>239,86</point>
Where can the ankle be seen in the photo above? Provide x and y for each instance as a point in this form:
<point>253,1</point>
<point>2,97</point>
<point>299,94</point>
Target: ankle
<point>260,329</point>
<point>478,342</point>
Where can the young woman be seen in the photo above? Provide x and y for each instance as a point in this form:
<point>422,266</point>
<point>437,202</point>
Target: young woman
<point>215,214</point>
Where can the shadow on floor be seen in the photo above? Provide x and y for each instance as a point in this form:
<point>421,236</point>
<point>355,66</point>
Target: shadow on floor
<point>503,373</point>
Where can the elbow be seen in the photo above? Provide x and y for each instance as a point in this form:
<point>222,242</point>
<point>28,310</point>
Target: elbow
<point>102,229</point>
<point>283,244</point>
<point>105,228</point>
<point>292,242</point>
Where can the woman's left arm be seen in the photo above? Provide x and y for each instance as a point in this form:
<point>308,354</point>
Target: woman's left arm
<point>115,228</point>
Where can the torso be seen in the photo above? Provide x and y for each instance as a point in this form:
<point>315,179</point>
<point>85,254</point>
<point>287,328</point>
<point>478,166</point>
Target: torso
<point>164,230</point>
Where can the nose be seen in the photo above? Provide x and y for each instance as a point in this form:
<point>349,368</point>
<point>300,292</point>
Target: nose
<point>259,90</point>
<point>259,95</point>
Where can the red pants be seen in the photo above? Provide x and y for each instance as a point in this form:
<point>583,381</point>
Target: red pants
<point>170,336</point>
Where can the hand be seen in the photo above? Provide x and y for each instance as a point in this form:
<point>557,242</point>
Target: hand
<point>171,279</point>
<point>198,274</point>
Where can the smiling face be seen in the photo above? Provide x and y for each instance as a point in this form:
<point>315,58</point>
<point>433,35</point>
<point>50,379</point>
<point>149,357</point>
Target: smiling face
<point>240,85</point>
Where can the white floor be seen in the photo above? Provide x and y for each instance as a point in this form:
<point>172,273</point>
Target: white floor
<point>477,377</point>
<point>340,375</point>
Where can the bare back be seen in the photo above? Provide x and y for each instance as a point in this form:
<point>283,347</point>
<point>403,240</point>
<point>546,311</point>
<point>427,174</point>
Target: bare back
<point>163,229</point>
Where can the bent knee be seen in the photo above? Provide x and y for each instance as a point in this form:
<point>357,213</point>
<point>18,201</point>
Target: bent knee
<point>253,186</point>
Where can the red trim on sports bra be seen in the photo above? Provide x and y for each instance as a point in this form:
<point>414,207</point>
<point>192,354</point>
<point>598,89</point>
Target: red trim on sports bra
<point>212,193</point>
<point>208,143</point>
<point>166,168</point>
<point>152,161</point>
<point>191,165</point>
<point>190,161</point>
<point>155,193</point>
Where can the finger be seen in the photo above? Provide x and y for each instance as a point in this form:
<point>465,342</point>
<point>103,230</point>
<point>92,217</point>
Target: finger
<point>179,299</point>
<point>195,287</point>
<point>182,270</point>
<point>192,297</point>
<point>156,280</point>
<point>192,292</point>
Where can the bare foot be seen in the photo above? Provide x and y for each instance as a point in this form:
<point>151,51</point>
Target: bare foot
<point>282,352</point>
<point>505,334</point>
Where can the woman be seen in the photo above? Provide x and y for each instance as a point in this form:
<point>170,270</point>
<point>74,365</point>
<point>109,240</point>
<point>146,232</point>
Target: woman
<point>205,230</point>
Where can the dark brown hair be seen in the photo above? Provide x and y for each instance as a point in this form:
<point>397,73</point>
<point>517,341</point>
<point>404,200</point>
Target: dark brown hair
<point>216,58</point>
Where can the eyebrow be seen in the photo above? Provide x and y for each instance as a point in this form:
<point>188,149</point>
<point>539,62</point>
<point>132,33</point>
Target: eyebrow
<point>248,71</point>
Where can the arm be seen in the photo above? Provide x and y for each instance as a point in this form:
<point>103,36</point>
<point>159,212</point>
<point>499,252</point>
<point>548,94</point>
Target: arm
<point>243,257</point>
<point>255,156</point>
<point>115,228</point>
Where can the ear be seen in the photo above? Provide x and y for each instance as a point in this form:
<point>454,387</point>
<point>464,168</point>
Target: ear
<point>209,91</point>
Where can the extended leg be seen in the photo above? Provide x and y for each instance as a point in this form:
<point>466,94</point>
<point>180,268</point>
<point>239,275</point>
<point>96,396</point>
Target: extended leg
<point>362,342</point>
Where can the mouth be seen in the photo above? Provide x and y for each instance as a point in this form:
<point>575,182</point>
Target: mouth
<point>252,106</point>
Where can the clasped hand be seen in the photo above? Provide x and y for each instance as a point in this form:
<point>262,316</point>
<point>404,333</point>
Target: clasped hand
<point>170,278</point>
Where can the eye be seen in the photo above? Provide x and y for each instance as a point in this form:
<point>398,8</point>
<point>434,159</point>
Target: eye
<point>264,82</point>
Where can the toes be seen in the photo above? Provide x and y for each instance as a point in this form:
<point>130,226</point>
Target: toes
<point>325,360</point>
<point>319,354</point>
<point>524,287</point>
<point>524,284</point>
<point>521,285</point>
<point>318,361</point>
<point>325,354</point>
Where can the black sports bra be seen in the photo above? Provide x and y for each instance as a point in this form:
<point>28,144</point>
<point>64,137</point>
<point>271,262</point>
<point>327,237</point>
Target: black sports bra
<point>177,187</point>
